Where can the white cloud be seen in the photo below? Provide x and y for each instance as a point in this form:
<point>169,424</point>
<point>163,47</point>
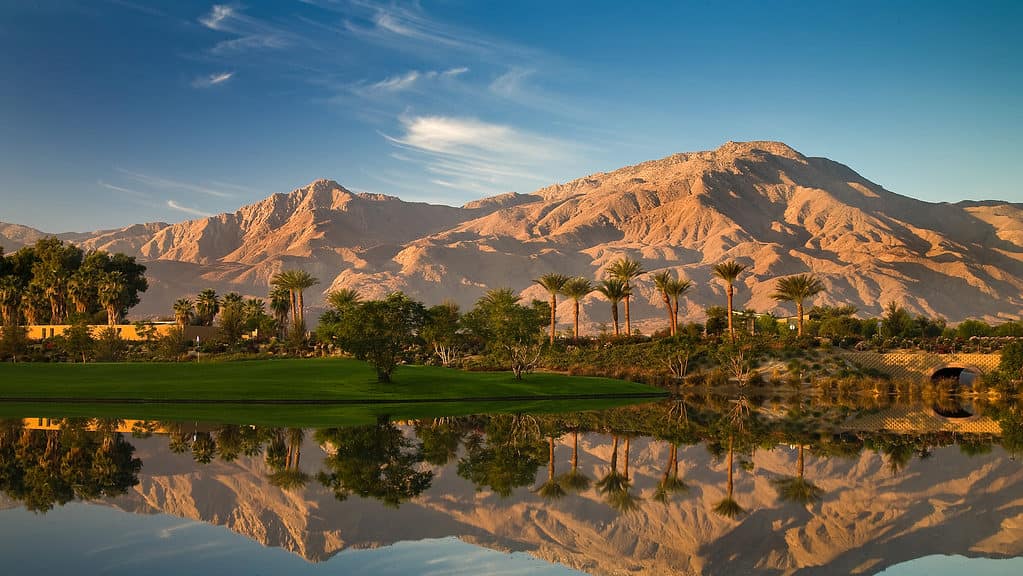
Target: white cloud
<point>187,210</point>
<point>212,79</point>
<point>218,14</point>
<point>478,156</point>
<point>123,190</point>
<point>397,83</point>
<point>166,183</point>
<point>454,72</point>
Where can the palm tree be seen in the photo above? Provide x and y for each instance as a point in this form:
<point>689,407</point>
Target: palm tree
<point>10,298</point>
<point>111,292</point>
<point>797,488</point>
<point>343,299</point>
<point>183,311</point>
<point>614,290</point>
<point>296,282</point>
<point>797,289</point>
<point>728,507</point>
<point>575,290</point>
<point>499,298</point>
<point>79,291</point>
<point>729,272</point>
<point>280,305</point>
<point>663,281</point>
<point>676,289</point>
<point>207,304</point>
<point>553,283</point>
<point>626,269</point>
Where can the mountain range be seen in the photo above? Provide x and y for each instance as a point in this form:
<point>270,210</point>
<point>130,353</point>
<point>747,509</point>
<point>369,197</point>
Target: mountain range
<point>761,203</point>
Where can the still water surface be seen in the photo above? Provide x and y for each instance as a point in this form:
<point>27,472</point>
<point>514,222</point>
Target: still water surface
<point>701,487</point>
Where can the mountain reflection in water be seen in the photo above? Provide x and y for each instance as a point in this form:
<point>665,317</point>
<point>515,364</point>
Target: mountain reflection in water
<point>701,485</point>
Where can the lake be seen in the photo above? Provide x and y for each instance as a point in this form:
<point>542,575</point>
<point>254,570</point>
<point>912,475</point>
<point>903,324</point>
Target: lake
<point>709,485</point>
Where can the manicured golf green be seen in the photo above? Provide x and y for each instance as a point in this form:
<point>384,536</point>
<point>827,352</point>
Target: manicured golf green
<point>307,380</point>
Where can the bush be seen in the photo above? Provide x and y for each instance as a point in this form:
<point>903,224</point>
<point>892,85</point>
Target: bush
<point>109,347</point>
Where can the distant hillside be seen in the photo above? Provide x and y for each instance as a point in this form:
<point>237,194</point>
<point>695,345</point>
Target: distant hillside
<point>761,203</point>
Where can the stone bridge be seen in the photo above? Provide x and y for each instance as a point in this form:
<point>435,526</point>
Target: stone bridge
<point>915,364</point>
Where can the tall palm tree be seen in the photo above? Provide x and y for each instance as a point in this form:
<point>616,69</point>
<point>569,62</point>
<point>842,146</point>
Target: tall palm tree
<point>662,280</point>
<point>553,283</point>
<point>207,304</point>
<point>499,297</point>
<point>575,290</point>
<point>111,294</point>
<point>676,289</point>
<point>183,311</point>
<point>670,482</point>
<point>614,485</point>
<point>343,298</point>
<point>614,290</point>
<point>797,289</point>
<point>280,305</point>
<point>728,272</point>
<point>296,282</point>
<point>80,291</point>
<point>10,299</point>
<point>626,269</point>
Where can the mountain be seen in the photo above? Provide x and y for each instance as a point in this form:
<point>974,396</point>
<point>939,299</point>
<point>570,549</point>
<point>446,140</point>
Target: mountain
<point>761,203</point>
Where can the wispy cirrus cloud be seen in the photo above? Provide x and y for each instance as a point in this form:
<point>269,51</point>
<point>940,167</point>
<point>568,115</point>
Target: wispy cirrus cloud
<point>123,190</point>
<point>252,33</point>
<point>169,184</point>
<point>212,79</point>
<point>187,210</point>
<point>473,155</point>
<point>408,80</point>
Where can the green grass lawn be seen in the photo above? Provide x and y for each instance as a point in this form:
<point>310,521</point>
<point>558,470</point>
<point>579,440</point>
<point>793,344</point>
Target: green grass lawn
<point>346,390</point>
<point>325,380</point>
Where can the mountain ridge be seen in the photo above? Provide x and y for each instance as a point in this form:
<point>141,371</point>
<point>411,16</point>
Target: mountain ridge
<point>762,203</point>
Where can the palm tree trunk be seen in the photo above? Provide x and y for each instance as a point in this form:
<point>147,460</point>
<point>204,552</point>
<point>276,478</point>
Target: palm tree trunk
<point>671,321</point>
<point>799,310</point>
<point>628,319</point>
<point>554,315</point>
<point>576,320</point>
<point>731,331</point>
<point>614,454</point>
<point>674,315</point>
<point>674,460</point>
<point>614,316</point>
<point>301,308</point>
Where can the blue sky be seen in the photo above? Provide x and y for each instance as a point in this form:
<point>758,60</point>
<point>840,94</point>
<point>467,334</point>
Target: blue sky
<point>121,111</point>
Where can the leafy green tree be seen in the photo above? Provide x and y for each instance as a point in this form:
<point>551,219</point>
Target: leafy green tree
<point>509,332</point>
<point>717,320</point>
<point>10,299</point>
<point>798,289</point>
<point>728,272</point>
<point>76,341</point>
<point>443,332</point>
<point>1011,363</point>
<point>13,342</point>
<point>970,328</point>
<point>382,331</point>
<point>553,283</point>
<point>231,320</point>
<point>626,270</point>
<point>109,346</point>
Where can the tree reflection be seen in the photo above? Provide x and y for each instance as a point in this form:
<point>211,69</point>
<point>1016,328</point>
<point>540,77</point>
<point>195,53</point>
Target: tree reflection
<point>372,461</point>
<point>44,468</point>
<point>506,457</point>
